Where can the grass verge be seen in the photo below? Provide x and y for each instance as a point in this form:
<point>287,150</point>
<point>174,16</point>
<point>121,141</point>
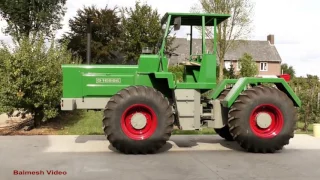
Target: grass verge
<point>90,123</point>
<point>81,123</point>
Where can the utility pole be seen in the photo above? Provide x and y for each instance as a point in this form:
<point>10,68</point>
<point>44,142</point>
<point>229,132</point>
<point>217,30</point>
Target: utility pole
<point>89,21</point>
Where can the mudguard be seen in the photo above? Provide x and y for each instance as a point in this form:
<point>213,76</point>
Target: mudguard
<point>242,83</point>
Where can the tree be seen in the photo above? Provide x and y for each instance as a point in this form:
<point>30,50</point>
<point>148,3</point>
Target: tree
<point>238,26</point>
<point>307,89</point>
<point>248,66</point>
<point>286,69</point>
<point>105,34</point>
<point>26,17</point>
<point>142,28</point>
<point>31,77</point>
<point>231,72</point>
<point>169,48</point>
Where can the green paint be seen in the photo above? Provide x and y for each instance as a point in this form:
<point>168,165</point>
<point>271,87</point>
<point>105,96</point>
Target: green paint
<point>161,52</point>
<point>149,63</point>
<point>152,70</point>
<point>85,81</point>
<point>221,86</point>
<point>203,35</point>
<point>243,82</point>
<point>168,76</point>
<point>78,79</point>
<point>195,19</point>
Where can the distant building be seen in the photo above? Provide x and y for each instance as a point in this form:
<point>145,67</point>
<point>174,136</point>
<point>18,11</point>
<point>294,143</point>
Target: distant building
<point>263,52</point>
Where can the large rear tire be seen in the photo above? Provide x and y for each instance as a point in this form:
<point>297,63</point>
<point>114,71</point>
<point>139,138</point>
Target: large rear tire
<point>262,119</point>
<point>138,120</point>
<point>224,132</point>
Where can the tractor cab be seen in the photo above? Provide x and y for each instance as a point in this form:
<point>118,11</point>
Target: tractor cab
<point>200,68</point>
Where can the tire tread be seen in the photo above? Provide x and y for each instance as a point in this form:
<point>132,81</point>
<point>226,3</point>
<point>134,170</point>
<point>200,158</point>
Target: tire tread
<point>111,132</point>
<point>238,107</point>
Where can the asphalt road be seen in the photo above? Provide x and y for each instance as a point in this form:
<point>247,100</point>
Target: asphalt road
<point>183,158</point>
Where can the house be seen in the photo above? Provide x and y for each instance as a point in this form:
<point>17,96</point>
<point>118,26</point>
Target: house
<point>263,52</point>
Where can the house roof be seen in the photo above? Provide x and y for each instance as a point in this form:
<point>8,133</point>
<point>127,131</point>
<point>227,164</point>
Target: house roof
<point>260,50</point>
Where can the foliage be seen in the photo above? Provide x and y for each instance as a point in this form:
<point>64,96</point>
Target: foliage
<point>31,77</point>
<point>26,17</point>
<point>238,26</point>
<point>226,74</point>
<point>230,74</point>
<point>307,89</point>
<point>177,71</point>
<point>248,66</point>
<point>169,48</point>
<point>105,35</point>
<point>141,27</point>
<point>288,70</point>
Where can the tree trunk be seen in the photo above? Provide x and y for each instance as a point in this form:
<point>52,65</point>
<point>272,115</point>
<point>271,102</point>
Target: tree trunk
<point>221,67</point>
<point>38,117</point>
<point>306,119</point>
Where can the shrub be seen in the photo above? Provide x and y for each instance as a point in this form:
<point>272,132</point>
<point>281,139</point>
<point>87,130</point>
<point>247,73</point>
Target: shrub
<point>31,77</point>
<point>248,66</point>
<point>177,71</point>
<point>307,89</point>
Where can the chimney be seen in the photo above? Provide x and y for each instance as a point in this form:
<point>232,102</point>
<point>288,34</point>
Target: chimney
<point>271,39</point>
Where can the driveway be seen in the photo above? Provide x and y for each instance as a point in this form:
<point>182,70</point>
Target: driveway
<point>183,158</point>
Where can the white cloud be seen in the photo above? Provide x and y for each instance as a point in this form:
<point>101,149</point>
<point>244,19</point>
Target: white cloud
<point>293,22</point>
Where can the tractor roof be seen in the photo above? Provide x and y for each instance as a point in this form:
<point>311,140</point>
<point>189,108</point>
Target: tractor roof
<point>195,19</point>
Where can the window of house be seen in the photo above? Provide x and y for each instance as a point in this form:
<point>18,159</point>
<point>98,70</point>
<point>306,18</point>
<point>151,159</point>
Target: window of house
<point>227,65</point>
<point>238,65</point>
<point>263,66</point>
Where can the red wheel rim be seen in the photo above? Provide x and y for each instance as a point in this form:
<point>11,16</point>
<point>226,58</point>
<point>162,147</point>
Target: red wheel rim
<point>276,123</point>
<point>150,122</point>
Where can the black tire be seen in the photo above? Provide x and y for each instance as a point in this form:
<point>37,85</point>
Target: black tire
<point>224,132</point>
<point>248,134</point>
<point>117,131</point>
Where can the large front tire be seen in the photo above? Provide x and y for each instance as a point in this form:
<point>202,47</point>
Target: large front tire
<point>262,119</point>
<point>138,120</point>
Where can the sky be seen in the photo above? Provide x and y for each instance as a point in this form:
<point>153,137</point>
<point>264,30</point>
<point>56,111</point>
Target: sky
<point>294,24</point>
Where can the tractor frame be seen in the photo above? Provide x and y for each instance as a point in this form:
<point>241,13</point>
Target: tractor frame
<point>143,102</point>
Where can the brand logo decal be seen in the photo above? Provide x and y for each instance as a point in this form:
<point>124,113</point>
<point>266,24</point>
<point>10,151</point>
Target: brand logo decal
<point>108,80</point>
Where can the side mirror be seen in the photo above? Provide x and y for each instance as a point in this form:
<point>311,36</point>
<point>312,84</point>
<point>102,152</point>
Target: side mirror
<point>177,23</point>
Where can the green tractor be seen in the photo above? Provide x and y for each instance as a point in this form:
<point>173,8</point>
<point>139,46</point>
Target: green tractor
<point>142,103</point>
